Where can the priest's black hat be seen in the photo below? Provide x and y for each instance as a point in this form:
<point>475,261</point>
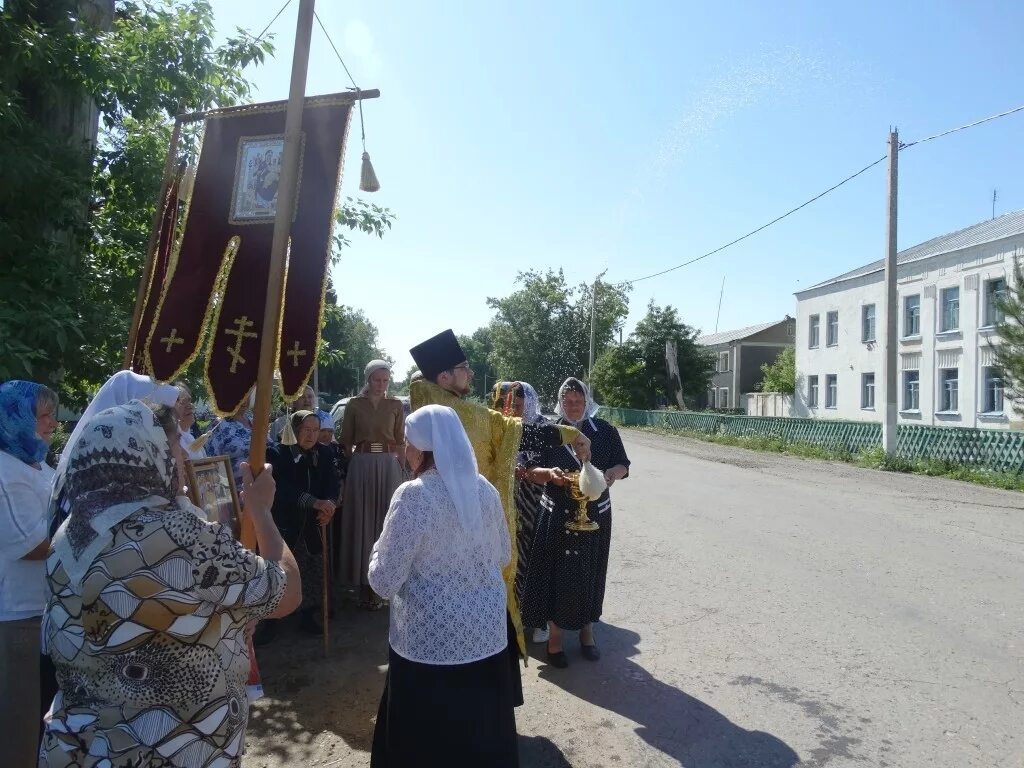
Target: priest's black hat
<point>438,354</point>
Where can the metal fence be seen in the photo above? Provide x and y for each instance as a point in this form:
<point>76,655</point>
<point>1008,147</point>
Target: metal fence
<point>994,450</point>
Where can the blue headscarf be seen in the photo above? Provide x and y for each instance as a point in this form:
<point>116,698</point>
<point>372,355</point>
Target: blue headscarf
<point>18,421</point>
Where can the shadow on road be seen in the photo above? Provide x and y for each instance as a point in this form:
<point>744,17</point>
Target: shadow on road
<point>538,752</point>
<point>308,694</point>
<point>671,721</point>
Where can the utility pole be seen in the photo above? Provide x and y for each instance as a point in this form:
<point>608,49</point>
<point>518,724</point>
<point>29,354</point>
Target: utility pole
<point>593,323</point>
<point>891,305</point>
<point>994,193</point>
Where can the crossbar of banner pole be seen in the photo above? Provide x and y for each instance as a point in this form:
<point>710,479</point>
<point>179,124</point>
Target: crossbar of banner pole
<point>191,117</point>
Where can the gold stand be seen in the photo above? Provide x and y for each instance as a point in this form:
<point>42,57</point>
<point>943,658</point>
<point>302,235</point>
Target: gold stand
<point>581,522</point>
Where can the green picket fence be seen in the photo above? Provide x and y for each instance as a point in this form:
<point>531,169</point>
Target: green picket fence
<point>994,450</point>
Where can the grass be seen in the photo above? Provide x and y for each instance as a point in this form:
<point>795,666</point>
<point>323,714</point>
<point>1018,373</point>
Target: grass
<point>871,458</point>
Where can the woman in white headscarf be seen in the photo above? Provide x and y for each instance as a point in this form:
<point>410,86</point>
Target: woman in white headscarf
<point>565,580</point>
<point>372,434</point>
<point>448,698</point>
<point>119,389</point>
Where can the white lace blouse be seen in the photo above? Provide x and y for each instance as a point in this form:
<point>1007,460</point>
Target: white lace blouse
<point>446,589</point>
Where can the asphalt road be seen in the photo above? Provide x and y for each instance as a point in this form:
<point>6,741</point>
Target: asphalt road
<point>761,611</point>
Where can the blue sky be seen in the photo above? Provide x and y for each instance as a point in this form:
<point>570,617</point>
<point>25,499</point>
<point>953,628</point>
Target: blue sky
<point>635,136</point>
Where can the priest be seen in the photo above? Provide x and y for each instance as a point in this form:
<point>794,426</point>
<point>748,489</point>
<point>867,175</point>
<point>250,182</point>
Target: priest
<point>496,439</point>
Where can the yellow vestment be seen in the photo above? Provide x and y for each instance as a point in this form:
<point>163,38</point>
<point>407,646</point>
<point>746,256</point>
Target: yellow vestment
<point>495,439</point>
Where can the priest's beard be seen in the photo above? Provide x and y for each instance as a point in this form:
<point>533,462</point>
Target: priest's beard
<point>458,391</point>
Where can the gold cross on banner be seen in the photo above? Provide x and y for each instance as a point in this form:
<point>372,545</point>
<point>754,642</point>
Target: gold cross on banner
<point>241,334</point>
<point>171,340</point>
<point>295,353</point>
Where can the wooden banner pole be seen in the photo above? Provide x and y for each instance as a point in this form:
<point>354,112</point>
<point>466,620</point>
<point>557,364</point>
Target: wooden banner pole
<point>149,258</point>
<point>278,251</point>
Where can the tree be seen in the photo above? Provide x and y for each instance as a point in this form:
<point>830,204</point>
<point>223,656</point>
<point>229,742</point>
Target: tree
<point>479,348</point>
<point>355,339</point>
<point>617,377</point>
<point>780,376</point>
<point>63,273</point>
<point>541,332</point>
<point>348,340</point>
<point>1009,351</point>
<point>695,362</point>
<point>637,375</point>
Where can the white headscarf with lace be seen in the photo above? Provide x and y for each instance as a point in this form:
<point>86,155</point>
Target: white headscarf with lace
<point>589,411</point>
<point>437,428</point>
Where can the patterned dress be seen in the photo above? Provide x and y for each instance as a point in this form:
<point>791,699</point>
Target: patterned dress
<point>151,651</point>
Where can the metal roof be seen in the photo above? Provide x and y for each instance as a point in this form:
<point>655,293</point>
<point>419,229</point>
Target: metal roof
<point>726,336</point>
<point>1007,225</point>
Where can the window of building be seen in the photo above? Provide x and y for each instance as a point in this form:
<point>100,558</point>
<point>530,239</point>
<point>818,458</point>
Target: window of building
<point>813,331</point>
<point>831,390</point>
<point>832,329</point>
<point>867,325</point>
<point>812,391</point>
<point>995,292</point>
<point>912,315</point>
<point>949,392</point>
<point>723,397</point>
<point>911,390</point>
<point>993,390</point>
<point>950,313</point>
<point>723,362</point>
<point>867,390</point>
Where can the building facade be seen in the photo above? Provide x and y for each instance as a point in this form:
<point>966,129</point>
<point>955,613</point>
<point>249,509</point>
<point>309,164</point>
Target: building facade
<point>739,356</point>
<point>948,290</point>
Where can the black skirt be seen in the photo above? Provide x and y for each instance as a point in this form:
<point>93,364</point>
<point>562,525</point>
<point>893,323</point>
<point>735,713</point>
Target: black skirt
<point>446,715</point>
<point>565,578</point>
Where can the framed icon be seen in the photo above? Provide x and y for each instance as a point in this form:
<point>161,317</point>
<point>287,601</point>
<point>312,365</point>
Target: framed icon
<point>257,177</point>
<point>211,487</point>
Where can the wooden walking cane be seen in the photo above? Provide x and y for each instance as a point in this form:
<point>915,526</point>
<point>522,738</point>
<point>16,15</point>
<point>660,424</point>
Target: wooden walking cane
<point>325,602</point>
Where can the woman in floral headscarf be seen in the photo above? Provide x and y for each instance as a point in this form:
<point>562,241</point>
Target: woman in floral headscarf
<point>27,422</point>
<point>148,604</point>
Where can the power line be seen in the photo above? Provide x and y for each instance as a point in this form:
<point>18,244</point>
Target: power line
<point>963,127</point>
<point>759,229</point>
<point>276,17</point>
<point>821,195</point>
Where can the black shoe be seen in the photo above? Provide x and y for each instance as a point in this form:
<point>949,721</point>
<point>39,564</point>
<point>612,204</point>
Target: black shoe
<point>590,652</point>
<point>265,633</point>
<point>309,625</point>
<point>558,660</point>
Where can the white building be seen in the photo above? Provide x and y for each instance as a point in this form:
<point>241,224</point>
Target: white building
<point>947,289</point>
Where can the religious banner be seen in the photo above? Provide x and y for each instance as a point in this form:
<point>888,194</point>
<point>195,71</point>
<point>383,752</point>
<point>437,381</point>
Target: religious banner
<point>161,261</point>
<point>218,276</point>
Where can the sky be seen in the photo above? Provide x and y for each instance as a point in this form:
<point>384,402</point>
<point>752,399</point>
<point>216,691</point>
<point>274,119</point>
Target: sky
<point>632,137</point>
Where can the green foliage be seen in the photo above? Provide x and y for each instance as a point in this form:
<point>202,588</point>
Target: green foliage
<point>1009,352</point>
<point>541,332</point>
<point>358,215</point>
<point>350,341</point>
<point>74,225</point>
<point>779,376</point>
<point>479,348</point>
<point>635,374</point>
<point>617,377</point>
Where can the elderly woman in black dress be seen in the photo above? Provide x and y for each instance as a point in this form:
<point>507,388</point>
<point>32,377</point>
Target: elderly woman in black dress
<point>566,575</point>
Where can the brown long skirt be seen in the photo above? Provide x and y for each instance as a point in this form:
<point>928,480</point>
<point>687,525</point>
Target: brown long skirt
<point>371,481</point>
